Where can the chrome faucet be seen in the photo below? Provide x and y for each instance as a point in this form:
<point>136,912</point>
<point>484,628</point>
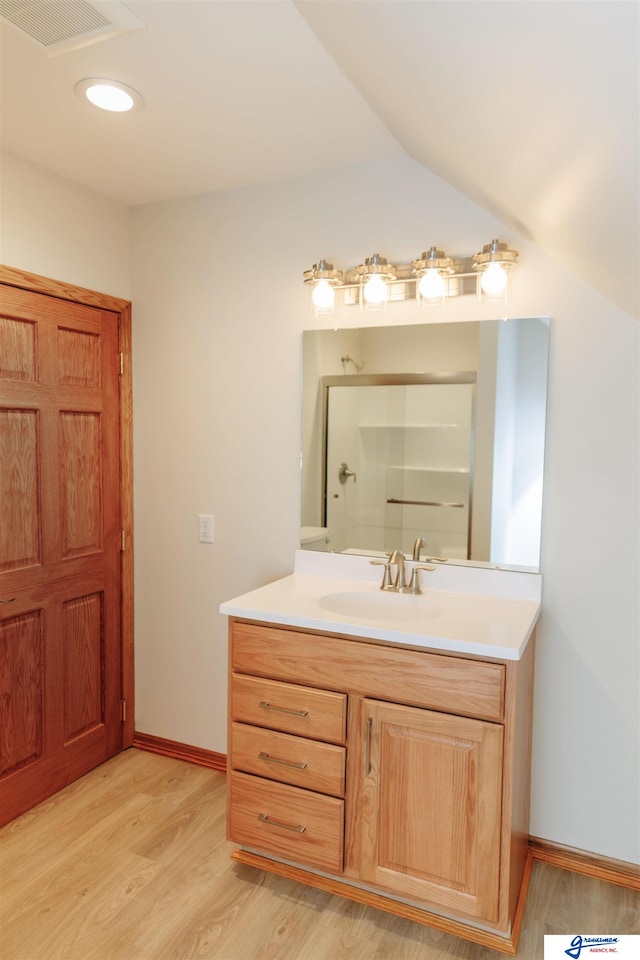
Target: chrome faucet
<point>400,585</point>
<point>397,559</point>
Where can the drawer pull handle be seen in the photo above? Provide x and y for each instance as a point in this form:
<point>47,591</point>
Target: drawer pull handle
<point>367,746</point>
<point>299,765</point>
<point>292,713</point>
<point>297,828</point>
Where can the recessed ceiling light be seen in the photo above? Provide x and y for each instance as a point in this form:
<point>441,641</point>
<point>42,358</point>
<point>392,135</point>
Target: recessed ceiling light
<point>110,95</point>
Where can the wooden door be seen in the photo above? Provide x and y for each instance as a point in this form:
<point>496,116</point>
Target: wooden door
<point>430,821</point>
<point>60,543</point>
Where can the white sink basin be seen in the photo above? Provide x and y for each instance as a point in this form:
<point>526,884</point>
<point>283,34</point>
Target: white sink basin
<point>473,611</point>
<point>390,607</point>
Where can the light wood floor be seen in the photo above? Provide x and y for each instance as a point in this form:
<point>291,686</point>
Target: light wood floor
<point>131,863</point>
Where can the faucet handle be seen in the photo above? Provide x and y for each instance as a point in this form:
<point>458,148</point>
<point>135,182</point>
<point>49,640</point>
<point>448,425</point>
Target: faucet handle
<point>414,582</point>
<point>344,473</point>
<point>386,576</point>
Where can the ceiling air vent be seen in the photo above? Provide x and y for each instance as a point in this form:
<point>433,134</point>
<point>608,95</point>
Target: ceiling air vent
<point>62,25</point>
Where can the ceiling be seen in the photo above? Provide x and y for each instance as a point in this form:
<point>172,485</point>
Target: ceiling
<point>531,109</point>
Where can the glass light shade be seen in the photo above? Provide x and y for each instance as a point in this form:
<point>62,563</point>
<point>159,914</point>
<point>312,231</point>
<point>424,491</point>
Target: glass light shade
<point>493,280</point>
<point>323,296</point>
<point>375,290</point>
<point>109,98</point>
<point>431,285</point>
<point>109,95</point>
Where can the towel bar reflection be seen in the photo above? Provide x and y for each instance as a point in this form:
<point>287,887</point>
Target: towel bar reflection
<point>426,503</point>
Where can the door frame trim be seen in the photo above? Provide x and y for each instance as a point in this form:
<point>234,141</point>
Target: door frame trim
<point>13,277</point>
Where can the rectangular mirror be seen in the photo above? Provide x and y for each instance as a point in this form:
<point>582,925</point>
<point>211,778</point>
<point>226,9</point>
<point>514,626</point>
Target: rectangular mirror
<point>434,431</point>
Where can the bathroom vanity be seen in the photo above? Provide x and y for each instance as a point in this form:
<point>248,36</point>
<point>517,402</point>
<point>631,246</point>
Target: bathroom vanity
<point>379,745</point>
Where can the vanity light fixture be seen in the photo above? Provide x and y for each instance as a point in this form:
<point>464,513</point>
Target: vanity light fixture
<point>110,95</point>
<point>431,279</point>
<point>493,264</point>
<point>430,271</point>
<point>374,274</point>
<point>324,279</point>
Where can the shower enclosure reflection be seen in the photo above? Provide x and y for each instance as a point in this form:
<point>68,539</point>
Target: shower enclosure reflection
<point>454,457</point>
<point>415,443</point>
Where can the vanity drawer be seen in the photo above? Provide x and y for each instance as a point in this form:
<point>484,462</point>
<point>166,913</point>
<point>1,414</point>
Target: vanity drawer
<point>297,760</point>
<point>305,711</point>
<point>287,822</point>
<point>418,678</point>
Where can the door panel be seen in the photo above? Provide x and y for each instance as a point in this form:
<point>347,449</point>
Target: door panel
<point>80,482</point>
<point>78,358</point>
<point>60,636</point>
<point>19,489</point>
<point>17,361</point>
<point>83,670</point>
<point>21,692</point>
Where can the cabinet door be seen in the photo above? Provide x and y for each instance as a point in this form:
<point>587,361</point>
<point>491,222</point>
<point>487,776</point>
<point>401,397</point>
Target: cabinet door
<point>431,807</point>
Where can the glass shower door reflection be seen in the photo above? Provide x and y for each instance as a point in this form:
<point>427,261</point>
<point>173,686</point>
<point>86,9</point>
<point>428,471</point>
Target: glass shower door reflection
<point>398,465</point>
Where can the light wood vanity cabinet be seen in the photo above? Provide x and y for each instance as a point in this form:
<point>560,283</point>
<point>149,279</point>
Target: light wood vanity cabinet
<point>294,735</point>
<point>430,791</point>
<point>402,774</point>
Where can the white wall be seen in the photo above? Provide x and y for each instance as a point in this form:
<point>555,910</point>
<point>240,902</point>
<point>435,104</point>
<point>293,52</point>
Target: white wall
<point>60,230</point>
<point>217,386</point>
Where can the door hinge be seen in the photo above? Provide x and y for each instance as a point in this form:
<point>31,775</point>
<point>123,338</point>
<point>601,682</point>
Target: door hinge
<point>121,364</point>
<point>123,710</point>
<point>122,541</point>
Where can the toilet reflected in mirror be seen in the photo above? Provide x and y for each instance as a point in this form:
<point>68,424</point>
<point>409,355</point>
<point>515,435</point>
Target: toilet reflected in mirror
<point>315,538</point>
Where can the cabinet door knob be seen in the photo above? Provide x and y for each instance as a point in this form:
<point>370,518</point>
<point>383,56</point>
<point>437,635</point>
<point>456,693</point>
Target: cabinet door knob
<point>13,600</point>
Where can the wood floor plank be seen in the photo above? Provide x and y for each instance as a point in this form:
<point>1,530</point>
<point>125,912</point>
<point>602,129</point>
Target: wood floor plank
<point>194,908</point>
<point>251,920</point>
<point>185,832</point>
<point>68,912</point>
<point>132,863</point>
<point>404,940</point>
<point>336,943</point>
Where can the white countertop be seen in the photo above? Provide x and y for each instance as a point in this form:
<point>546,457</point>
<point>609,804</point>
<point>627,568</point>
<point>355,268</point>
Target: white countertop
<point>495,620</point>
